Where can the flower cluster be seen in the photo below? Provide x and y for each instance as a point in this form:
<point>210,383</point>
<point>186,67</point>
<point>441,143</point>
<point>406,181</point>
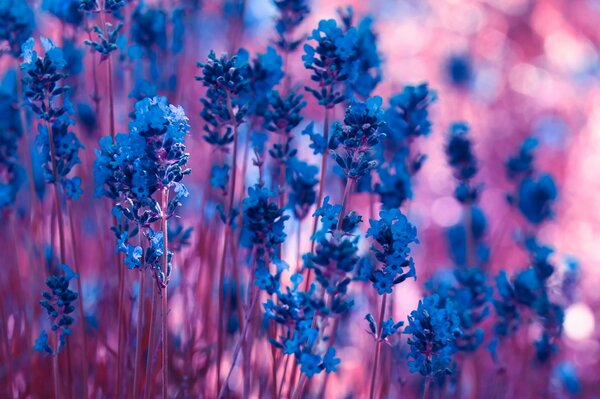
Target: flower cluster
<point>67,11</point>
<point>282,116</point>
<point>406,119</point>
<point>263,73</point>
<point>18,23</point>
<point>529,289</point>
<point>459,70</point>
<point>387,329</point>
<point>392,234</point>
<point>331,61</point>
<point>108,6</point>
<point>290,14</point>
<point>12,175</point>
<point>150,159</point>
<point>301,180</point>
<point>224,106</point>
<point>263,231</point>
<point>294,310</point>
<point>434,329</point>
<point>536,192</point>
<point>107,40</point>
<point>360,132</point>
<point>367,64</point>
<point>59,304</point>
<point>49,100</point>
<point>470,296</point>
<point>459,152</point>
<point>335,256</point>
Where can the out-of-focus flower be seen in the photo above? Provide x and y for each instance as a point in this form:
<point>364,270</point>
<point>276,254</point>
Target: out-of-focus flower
<point>433,331</point>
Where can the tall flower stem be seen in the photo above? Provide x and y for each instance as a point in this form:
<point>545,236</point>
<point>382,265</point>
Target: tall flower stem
<point>243,336</point>
<point>58,207</point>
<point>285,367</point>
<point>300,386</point>
<point>426,388</point>
<point>469,247</point>
<point>230,201</point>
<point>140,326</point>
<point>165,343</point>
<point>22,120</point>
<point>121,272</point>
<point>151,340</point>
<point>321,189</point>
<point>55,369</point>
<point>377,346</point>
<point>347,190</point>
<point>80,300</point>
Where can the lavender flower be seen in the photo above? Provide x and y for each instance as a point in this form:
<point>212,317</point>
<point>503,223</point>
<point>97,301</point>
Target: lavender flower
<point>331,61</point>
<point>59,304</point>
<point>434,330</point>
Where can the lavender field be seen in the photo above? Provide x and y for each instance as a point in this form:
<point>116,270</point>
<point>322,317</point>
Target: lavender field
<point>300,199</point>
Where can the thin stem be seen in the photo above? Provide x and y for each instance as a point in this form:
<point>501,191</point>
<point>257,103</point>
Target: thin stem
<point>238,346</point>
<point>426,389</point>
<point>230,202</point>
<point>324,157</point>
<point>111,102</point>
<point>273,334</point>
<point>140,326</point>
<point>61,228</point>
<point>165,347</point>
<point>22,120</point>
<point>80,300</point>
<point>55,369</point>
<point>151,340</point>
<point>377,346</point>
<point>347,189</point>
<point>469,248</point>
<point>300,386</point>
<point>121,275</point>
<point>220,307</point>
<point>285,367</point>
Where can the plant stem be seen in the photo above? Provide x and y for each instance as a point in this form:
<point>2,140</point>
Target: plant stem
<point>299,387</point>
<point>165,343</point>
<point>426,389</point>
<point>285,367</point>
<point>121,275</point>
<point>347,189</point>
<point>55,369</point>
<point>80,300</point>
<point>231,197</point>
<point>140,324</point>
<point>377,346</point>
<point>321,189</point>
<point>469,248</point>
<point>61,227</point>
<point>151,340</point>
<point>238,346</point>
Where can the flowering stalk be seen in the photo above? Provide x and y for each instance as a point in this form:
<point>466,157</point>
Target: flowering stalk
<point>57,203</point>
<point>331,63</point>
<point>226,239</point>
<point>150,347</point>
<point>80,300</point>
<point>321,190</point>
<point>224,109</point>
<point>55,372</point>
<point>165,342</point>
<point>138,339</point>
<point>105,45</point>
<point>377,347</point>
<point>426,388</point>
